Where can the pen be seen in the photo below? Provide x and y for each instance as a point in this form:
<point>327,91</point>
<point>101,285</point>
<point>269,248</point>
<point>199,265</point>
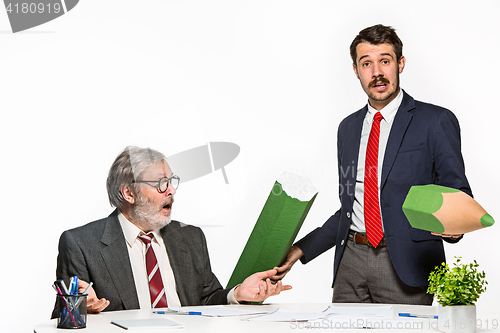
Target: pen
<point>88,287</point>
<point>413,315</point>
<point>192,313</point>
<point>70,287</point>
<point>58,285</point>
<point>73,285</point>
<point>63,285</point>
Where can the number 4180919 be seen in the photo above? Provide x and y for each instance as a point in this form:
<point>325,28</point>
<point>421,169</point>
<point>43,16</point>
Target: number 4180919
<point>32,8</point>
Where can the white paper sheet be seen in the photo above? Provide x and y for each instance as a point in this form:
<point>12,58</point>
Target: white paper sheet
<point>217,310</point>
<point>384,311</point>
<point>290,316</point>
<point>351,313</point>
<point>143,324</point>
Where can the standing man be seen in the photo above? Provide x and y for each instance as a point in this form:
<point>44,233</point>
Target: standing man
<point>137,257</point>
<point>391,144</point>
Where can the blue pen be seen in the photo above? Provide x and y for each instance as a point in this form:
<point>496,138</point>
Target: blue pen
<point>71,286</point>
<point>74,285</point>
<point>413,315</point>
<point>165,312</point>
<point>192,313</point>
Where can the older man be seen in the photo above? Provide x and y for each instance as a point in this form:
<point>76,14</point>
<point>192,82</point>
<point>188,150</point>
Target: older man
<point>137,257</point>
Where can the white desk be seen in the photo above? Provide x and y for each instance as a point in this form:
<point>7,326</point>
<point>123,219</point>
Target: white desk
<point>101,323</point>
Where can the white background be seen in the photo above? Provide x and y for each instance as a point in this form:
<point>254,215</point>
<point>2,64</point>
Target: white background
<point>274,77</point>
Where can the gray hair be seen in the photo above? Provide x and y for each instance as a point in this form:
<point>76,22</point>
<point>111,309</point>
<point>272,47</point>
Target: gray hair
<point>126,168</point>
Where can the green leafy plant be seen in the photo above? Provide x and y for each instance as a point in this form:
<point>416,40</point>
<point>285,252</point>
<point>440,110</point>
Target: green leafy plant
<point>459,285</point>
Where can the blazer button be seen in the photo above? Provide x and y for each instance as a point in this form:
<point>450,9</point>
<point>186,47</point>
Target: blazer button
<point>342,243</point>
<point>348,215</point>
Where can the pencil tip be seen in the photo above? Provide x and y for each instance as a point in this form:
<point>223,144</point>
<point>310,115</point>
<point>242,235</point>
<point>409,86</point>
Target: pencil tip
<point>487,220</point>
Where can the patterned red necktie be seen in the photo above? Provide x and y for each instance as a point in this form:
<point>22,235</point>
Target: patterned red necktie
<point>156,289</point>
<point>373,221</point>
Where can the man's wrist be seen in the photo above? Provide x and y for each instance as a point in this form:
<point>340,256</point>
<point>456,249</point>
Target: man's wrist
<point>231,296</point>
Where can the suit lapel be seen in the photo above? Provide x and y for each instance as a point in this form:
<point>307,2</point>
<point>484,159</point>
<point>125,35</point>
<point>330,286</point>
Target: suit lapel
<point>178,257</point>
<point>349,166</point>
<point>398,130</point>
<point>116,258</point>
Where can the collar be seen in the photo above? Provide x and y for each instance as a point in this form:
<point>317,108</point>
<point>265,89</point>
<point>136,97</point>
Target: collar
<point>388,111</point>
<point>131,231</point>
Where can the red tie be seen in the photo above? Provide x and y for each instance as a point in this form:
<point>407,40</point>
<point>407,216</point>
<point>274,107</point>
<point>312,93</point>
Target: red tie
<point>373,221</point>
<point>156,289</point>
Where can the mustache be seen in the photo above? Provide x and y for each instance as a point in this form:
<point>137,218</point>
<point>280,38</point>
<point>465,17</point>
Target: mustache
<point>378,79</point>
<point>168,202</point>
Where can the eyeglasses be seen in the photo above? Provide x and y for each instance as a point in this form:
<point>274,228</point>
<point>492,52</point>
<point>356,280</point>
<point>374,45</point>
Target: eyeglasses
<point>163,183</point>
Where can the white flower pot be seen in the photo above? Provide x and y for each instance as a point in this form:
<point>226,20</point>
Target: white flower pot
<point>457,318</point>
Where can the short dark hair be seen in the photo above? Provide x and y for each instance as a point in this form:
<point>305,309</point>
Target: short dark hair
<point>378,34</point>
<point>126,168</point>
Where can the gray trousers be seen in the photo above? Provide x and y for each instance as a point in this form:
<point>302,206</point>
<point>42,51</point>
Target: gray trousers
<point>366,275</point>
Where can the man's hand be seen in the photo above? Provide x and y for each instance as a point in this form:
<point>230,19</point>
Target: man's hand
<point>294,254</point>
<point>253,289</point>
<point>94,305</point>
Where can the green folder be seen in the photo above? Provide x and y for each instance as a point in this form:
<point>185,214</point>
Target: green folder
<point>276,228</point>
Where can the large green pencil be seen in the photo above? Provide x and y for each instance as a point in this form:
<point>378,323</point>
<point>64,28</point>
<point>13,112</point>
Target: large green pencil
<point>276,228</point>
<point>444,210</point>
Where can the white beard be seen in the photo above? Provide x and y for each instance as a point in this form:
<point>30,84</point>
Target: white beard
<point>146,216</point>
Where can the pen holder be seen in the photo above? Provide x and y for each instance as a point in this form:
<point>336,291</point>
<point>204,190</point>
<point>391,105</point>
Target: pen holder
<point>72,310</point>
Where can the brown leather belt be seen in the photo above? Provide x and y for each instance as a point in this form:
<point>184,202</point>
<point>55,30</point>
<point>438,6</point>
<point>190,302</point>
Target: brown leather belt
<point>361,239</point>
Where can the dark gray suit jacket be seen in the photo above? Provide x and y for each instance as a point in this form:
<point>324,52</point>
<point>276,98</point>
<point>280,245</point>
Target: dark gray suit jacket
<point>98,252</point>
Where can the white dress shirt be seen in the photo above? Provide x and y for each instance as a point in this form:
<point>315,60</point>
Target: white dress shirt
<point>388,112</point>
<point>137,254</point>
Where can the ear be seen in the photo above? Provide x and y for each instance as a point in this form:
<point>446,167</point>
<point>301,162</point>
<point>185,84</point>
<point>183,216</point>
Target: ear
<point>402,62</point>
<point>128,194</point>
<point>355,70</point>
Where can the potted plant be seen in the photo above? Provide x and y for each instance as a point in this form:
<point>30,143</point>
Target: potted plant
<point>457,289</point>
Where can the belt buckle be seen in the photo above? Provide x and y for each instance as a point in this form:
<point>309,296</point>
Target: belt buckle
<point>352,236</point>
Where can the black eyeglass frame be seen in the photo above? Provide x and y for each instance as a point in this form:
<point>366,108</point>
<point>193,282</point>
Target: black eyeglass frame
<point>169,182</point>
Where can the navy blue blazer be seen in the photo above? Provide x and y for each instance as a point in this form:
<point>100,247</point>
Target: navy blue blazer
<point>423,148</point>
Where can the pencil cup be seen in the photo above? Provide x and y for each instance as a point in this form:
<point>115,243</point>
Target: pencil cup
<point>72,310</point>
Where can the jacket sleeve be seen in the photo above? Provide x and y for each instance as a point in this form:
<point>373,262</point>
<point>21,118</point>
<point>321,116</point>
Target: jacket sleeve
<point>70,262</point>
<point>448,161</point>
<point>320,239</point>
<point>212,292</point>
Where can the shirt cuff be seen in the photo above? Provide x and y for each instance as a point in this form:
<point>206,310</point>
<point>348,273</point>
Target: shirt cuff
<point>230,297</point>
